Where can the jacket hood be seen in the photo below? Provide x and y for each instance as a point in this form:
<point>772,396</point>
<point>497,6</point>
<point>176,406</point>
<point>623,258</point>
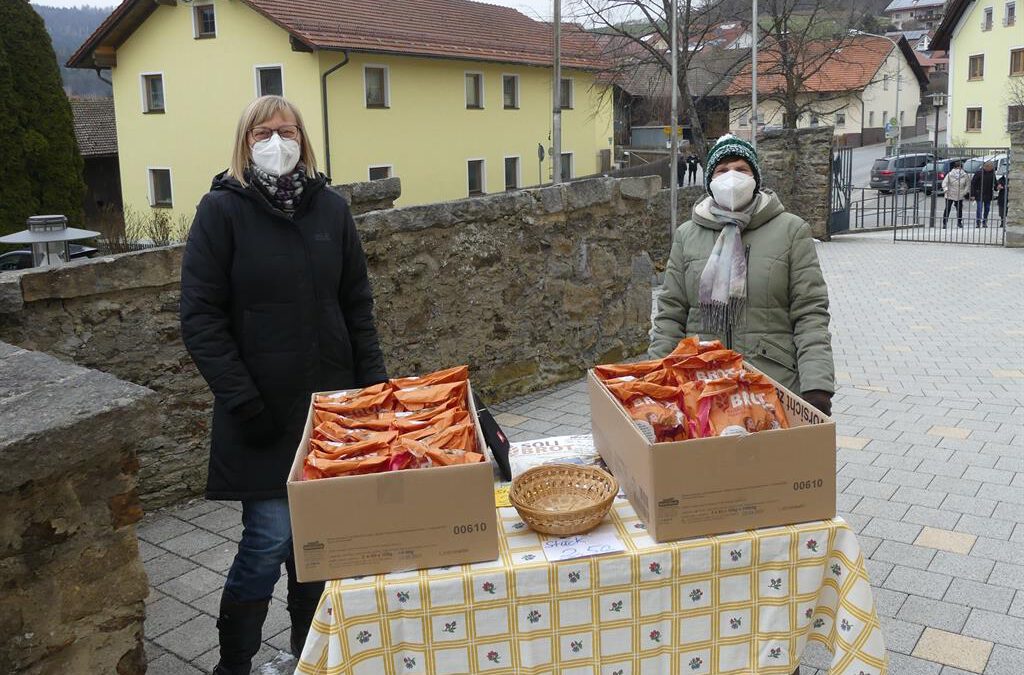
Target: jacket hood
<point>768,206</point>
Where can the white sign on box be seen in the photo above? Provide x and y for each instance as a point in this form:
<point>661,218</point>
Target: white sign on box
<point>602,539</point>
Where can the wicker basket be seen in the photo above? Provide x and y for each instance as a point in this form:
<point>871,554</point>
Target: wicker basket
<point>563,499</point>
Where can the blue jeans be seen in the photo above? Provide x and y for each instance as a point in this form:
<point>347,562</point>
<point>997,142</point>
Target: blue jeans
<point>983,220</point>
<point>266,543</point>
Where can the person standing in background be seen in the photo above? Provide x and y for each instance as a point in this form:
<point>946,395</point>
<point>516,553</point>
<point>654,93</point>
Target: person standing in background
<point>691,165</point>
<point>955,187</point>
<point>983,185</point>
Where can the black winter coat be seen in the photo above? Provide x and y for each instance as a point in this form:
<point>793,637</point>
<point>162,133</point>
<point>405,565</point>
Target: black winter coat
<point>983,184</point>
<point>273,308</point>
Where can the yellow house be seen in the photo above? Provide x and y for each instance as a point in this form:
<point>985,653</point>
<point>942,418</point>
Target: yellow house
<point>986,71</point>
<point>452,96</point>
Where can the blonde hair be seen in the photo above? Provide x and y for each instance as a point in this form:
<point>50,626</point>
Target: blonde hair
<point>256,113</point>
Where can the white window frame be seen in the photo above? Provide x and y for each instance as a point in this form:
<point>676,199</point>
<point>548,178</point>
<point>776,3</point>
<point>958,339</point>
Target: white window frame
<point>745,119</point>
<point>572,92</point>
<point>1009,57</point>
<point>983,65</point>
<point>572,164</point>
<point>483,90</point>
<point>483,176</point>
<point>145,93</point>
<point>151,188</point>
<point>389,167</point>
<point>266,66</point>
<point>1006,14</point>
<point>387,86</point>
<point>519,171</point>
<point>966,117</point>
<point>990,26</point>
<point>195,24</point>
<point>841,118</point>
<point>518,98</point>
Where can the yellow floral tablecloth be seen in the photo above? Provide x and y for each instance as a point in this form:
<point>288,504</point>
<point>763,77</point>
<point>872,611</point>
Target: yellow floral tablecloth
<point>740,603</point>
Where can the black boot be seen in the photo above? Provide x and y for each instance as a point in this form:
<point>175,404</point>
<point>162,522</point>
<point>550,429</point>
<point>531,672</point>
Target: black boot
<point>303,599</point>
<point>240,627</point>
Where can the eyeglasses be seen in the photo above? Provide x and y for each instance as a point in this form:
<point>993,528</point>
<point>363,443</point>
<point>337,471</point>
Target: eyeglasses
<point>288,132</point>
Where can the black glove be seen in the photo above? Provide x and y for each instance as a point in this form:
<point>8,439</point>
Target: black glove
<point>258,428</point>
<point>822,400</point>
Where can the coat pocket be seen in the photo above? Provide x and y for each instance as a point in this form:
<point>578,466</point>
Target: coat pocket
<point>776,353</point>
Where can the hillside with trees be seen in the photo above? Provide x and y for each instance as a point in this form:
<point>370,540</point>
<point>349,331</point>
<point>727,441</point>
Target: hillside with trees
<point>68,28</point>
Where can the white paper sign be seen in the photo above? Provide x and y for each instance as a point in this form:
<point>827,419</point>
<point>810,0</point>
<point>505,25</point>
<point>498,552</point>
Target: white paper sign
<point>603,539</point>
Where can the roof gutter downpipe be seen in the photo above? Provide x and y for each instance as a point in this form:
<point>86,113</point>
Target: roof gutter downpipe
<point>323,103</point>
<point>99,74</point>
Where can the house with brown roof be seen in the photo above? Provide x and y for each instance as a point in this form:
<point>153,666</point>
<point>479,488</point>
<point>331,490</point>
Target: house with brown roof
<point>849,84</point>
<point>96,134</point>
<point>452,96</point>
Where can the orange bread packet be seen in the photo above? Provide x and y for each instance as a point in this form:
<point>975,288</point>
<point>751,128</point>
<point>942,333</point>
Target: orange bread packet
<point>657,405</point>
<point>637,370</point>
<point>335,450</point>
<point>362,403</point>
<point>662,377</point>
<point>418,398</point>
<point>350,466</point>
<point>449,457</point>
<point>733,406</point>
<point>456,374</point>
<point>331,431</point>
<point>711,365</point>
<point>456,437</point>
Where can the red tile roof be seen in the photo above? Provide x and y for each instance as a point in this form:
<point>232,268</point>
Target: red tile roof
<point>458,29</point>
<point>832,67</point>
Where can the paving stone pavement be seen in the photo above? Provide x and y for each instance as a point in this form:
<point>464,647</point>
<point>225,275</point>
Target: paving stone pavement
<point>929,351</point>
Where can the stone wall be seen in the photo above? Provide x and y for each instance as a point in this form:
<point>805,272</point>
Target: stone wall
<point>370,196</point>
<point>509,283</point>
<point>1015,194</point>
<point>73,589</point>
<point>796,164</point>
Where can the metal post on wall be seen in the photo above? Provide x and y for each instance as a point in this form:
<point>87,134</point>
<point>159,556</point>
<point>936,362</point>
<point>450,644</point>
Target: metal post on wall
<point>674,135</point>
<point>556,111</point>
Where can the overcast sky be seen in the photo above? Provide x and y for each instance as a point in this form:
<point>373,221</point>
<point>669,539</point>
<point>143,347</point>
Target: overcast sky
<point>532,8</point>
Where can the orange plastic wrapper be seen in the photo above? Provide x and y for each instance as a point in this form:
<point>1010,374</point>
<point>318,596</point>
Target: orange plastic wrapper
<point>659,406</point>
<point>418,398</point>
<point>335,450</point>
<point>614,371</point>
<point>449,457</point>
<point>662,377</point>
<point>733,406</point>
<point>456,437</point>
<point>449,375</point>
<point>712,365</point>
<point>377,422</point>
<point>317,467</point>
<point>378,398</point>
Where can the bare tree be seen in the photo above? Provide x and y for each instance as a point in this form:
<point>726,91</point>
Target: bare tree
<point>803,41</point>
<point>637,39</point>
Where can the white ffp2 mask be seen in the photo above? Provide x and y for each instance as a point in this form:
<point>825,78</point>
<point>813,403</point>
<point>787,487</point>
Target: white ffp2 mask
<point>277,156</point>
<point>733,190</point>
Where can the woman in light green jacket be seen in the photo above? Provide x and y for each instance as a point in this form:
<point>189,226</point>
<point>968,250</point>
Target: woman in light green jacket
<point>743,270</point>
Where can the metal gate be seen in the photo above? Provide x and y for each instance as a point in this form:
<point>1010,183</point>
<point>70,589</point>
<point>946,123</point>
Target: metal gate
<point>914,206</point>
<point>840,181</point>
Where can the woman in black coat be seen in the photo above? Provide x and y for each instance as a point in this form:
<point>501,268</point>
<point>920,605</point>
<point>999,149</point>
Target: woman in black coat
<point>275,304</point>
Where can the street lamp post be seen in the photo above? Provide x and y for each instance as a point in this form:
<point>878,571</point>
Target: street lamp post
<point>899,86</point>
<point>556,92</point>
<point>753,76</point>
<point>938,100</point>
<point>674,134</point>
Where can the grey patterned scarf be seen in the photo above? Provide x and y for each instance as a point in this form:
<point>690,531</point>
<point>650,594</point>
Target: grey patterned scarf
<point>723,283</point>
<point>283,192</point>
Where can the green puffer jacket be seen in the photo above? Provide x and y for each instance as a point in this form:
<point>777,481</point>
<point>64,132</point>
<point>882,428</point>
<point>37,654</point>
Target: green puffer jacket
<point>784,329</point>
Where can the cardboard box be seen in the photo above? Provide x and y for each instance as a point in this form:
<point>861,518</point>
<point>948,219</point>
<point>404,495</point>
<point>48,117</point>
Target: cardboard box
<point>727,484</point>
<point>393,521</point>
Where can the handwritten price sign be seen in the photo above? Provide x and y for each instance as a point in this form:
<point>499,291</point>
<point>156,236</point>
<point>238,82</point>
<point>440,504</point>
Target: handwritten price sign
<point>597,542</point>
